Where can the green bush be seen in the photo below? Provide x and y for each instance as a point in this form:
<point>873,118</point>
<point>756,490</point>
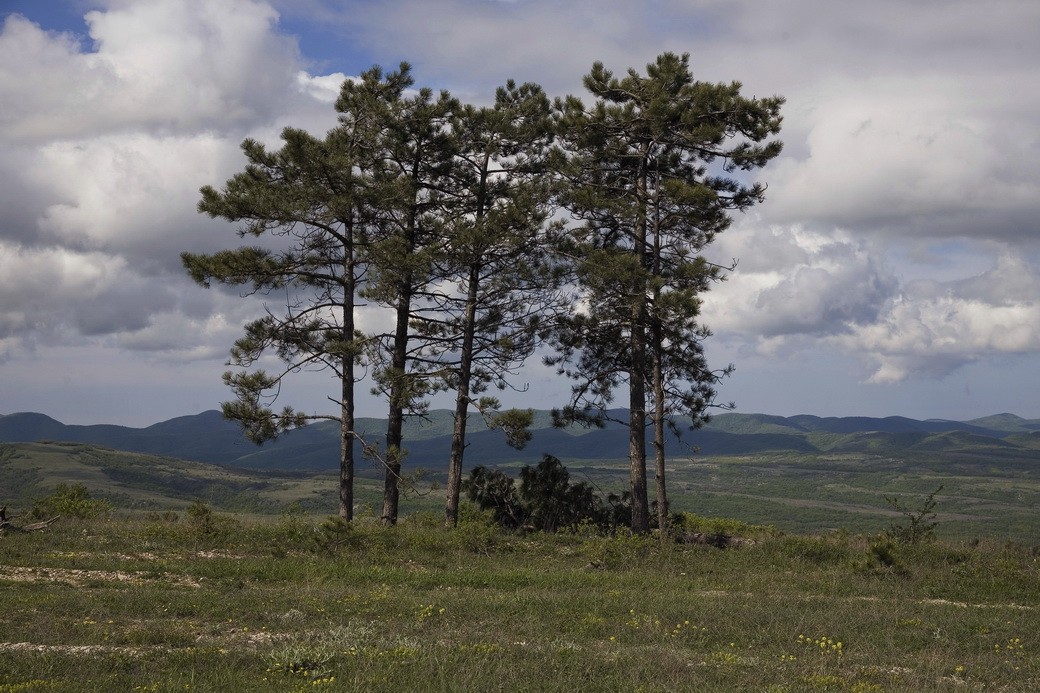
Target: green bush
<point>332,534</point>
<point>200,519</point>
<point>205,525</point>
<point>494,492</point>
<point>883,558</point>
<point>476,531</point>
<point>69,501</point>
<point>291,531</point>
<point>546,500</point>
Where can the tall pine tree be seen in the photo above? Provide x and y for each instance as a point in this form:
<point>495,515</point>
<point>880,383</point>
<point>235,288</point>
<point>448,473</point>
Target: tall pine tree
<point>503,287</point>
<point>316,199</point>
<point>652,171</point>
<point>415,152</point>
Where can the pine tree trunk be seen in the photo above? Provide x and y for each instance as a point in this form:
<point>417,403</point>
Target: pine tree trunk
<point>659,459</point>
<point>395,421</point>
<point>637,434</point>
<point>346,448</point>
<point>346,442</point>
<point>657,345</point>
<point>458,438</point>
<point>637,367</point>
<point>400,390</point>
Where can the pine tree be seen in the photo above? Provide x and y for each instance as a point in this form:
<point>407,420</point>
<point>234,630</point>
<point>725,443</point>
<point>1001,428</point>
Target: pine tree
<point>504,287</point>
<point>317,197</point>
<point>415,151</point>
<point>652,170</point>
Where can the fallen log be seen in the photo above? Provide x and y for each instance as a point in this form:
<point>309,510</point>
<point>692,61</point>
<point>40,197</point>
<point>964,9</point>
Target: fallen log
<point>7,526</point>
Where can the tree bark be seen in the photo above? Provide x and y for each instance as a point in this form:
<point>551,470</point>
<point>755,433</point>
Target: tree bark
<point>399,386</point>
<point>346,441</point>
<point>659,457</point>
<point>462,401</point>
<point>637,367</point>
<point>657,339</point>
<point>637,435</point>
<point>395,421</point>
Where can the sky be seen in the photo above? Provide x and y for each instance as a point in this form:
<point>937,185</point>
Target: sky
<point>893,269</point>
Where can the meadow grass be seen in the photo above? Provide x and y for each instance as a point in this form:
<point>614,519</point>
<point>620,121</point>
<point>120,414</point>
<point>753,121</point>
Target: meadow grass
<point>209,602</point>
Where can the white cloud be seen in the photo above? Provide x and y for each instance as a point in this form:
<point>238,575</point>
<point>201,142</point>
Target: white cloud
<point>58,274</point>
<point>129,193</point>
<point>923,155</point>
<point>796,289</point>
<point>106,150</point>
<point>180,338</point>
<point>793,281</point>
<point>324,88</point>
<point>167,65</point>
<point>933,328</point>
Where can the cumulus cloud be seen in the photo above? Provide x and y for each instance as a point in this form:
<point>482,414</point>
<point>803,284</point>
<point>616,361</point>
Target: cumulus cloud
<point>324,88</point>
<point>793,281</point>
<point>181,338</point>
<point>34,282</point>
<point>106,146</point>
<point>922,156</point>
<point>931,328</point>
<point>177,66</point>
<point>797,289</point>
<point>904,124</point>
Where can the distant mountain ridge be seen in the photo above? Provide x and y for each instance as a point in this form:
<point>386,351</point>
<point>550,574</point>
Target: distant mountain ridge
<point>208,437</point>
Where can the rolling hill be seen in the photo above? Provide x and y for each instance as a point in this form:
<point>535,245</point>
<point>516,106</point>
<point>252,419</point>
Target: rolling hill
<point>797,473</point>
<point>207,437</point>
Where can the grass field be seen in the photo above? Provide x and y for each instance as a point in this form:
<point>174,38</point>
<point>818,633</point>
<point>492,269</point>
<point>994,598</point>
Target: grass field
<point>202,601</point>
<point>983,495</point>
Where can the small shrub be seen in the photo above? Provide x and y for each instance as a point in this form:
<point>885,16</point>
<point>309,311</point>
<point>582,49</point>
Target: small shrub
<point>883,559</point>
<point>920,523</point>
<point>476,531</point>
<point>552,501</point>
<point>200,518</point>
<point>546,499</point>
<point>203,523</point>
<point>331,534</point>
<point>69,501</point>
<point>290,532</point>
<point>495,492</point>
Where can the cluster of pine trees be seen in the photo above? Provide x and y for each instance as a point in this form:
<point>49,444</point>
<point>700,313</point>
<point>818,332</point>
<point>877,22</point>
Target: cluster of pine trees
<point>484,233</point>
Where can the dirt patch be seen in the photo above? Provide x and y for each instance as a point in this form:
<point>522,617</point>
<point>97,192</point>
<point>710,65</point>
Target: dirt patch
<point>78,577</point>
<point>965,605</point>
<point>85,650</point>
<point>219,554</point>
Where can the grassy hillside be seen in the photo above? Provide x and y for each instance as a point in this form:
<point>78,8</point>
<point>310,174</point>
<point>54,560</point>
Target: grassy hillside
<point>137,481</point>
<point>991,493</point>
<point>219,603</point>
<point>207,437</point>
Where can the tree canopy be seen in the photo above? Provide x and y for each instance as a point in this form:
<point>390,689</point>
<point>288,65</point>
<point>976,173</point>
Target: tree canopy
<point>481,233</point>
<point>650,172</point>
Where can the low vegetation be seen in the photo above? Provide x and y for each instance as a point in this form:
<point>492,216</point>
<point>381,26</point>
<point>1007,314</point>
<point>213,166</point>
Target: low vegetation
<point>203,600</point>
<point>797,493</point>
